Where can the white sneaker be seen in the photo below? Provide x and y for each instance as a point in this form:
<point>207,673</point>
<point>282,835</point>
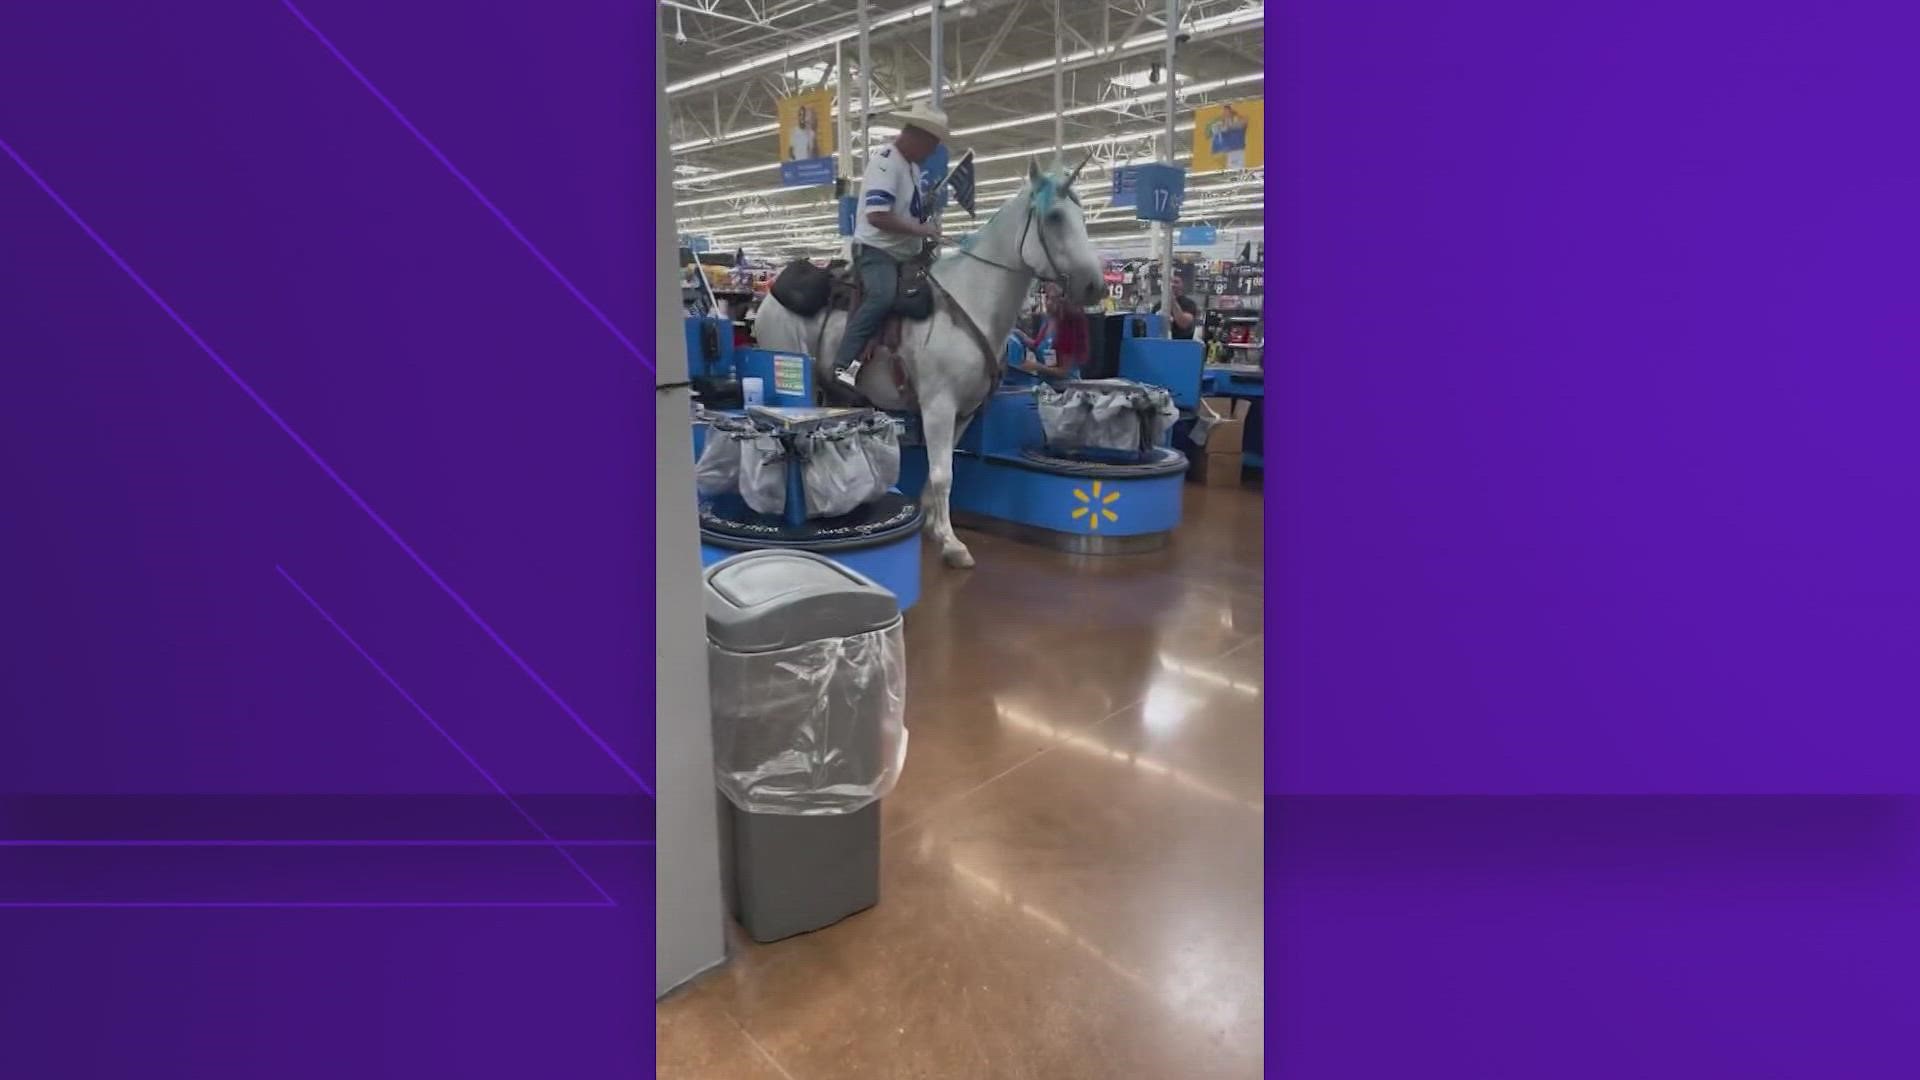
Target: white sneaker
<point>849,375</point>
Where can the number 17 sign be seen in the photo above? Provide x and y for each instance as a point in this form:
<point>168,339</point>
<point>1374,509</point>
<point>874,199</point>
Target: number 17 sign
<point>1158,191</point>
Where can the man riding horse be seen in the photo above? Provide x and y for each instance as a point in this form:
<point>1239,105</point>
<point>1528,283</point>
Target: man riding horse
<point>891,228</point>
<point>948,359</point>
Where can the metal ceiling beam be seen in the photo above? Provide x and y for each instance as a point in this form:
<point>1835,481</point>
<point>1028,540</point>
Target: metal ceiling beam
<point>738,101</point>
<point>901,18</point>
<point>992,50</point>
<point>1041,72</point>
<point>713,14</point>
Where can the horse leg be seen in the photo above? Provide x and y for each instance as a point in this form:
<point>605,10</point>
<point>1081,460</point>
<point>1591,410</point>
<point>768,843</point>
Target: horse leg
<point>937,423</point>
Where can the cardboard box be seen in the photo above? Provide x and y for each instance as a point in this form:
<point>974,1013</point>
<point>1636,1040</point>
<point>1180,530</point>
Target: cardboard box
<point>1216,470</point>
<point>1222,434</point>
<point>1229,408</point>
<point>1227,437</point>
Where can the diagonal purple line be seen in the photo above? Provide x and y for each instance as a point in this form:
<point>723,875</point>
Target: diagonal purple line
<point>337,479</point>
<point>95,905</point>
<point>444,733</point>
<point>422,139</point>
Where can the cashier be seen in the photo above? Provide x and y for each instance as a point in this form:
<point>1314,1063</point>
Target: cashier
<point>1054,350</point>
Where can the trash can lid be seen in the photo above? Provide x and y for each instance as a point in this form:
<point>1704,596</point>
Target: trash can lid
<point>758,601</point>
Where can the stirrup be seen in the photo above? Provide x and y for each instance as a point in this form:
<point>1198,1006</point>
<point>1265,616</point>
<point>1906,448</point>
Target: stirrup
<point>841,392</point>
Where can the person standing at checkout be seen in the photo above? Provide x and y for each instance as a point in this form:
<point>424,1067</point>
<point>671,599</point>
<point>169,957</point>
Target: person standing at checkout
<point>1185,318</point>
<point>890,228</point>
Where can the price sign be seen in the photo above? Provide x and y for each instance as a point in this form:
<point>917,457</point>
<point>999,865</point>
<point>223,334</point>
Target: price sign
<point>789,375</point>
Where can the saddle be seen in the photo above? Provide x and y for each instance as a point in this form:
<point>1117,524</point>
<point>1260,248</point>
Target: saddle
<point>806,290</point>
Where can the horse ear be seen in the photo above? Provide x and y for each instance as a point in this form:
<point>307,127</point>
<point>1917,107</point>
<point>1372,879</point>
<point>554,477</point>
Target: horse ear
<point>1033,171</point>
<point>1075,174</point>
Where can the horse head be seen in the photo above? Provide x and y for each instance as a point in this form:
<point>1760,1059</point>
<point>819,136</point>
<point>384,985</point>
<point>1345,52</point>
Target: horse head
<point>1057,247</point>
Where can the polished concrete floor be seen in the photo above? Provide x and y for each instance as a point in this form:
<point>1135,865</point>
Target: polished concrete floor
<point>1071,874</point>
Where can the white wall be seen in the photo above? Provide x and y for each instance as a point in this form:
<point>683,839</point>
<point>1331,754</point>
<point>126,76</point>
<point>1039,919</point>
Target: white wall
<point>689,920</point>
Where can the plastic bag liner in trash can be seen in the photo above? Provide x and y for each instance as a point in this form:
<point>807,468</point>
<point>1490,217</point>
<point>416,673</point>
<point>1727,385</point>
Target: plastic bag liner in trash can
<point>809,681</point>
<point>808,684</point>
<point>763,474</point>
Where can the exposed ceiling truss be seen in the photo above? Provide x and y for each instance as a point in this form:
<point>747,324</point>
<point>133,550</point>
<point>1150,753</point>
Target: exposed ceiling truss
<point>997,62</point>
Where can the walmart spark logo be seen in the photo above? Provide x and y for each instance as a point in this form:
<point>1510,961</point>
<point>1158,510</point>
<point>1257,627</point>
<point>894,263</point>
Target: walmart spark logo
<point>1096,506</point>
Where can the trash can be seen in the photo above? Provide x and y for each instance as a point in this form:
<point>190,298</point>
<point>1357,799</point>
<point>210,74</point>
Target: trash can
<point>807,662</point>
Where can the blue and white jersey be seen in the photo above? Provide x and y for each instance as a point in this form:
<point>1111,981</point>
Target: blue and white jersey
<point>892,183</point>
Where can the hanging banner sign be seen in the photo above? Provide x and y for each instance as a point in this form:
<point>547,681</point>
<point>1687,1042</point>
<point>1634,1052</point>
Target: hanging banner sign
<point>807,139</point>
<point>1125,179</point>
<point>1196,235</point>
<point>1229,136</point>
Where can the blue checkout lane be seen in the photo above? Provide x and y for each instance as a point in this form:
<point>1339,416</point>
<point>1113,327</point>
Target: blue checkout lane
<point>894,563</point>
<point>1224,382</point>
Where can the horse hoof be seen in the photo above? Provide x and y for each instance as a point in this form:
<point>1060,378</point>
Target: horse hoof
<point>958,557</point>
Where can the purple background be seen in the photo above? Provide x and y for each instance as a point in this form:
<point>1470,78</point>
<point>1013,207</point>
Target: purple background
<point>1595,432</point>
<point>470,399</point>
<point>1593,473</point>
<point>1592,938</point>
<point>1599,340</point>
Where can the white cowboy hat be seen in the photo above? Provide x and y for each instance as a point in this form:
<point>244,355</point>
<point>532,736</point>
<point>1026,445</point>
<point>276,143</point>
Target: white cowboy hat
<point>926,118</point>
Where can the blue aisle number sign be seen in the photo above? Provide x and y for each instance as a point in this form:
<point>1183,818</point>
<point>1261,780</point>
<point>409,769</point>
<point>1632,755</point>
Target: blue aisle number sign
<point>1159,190</point>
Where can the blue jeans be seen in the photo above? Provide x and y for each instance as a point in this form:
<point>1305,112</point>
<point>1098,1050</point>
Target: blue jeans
<point>879,283</point>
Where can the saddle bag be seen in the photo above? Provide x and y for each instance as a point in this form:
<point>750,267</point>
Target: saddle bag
<point>914,301</point>
<point>803,288</point>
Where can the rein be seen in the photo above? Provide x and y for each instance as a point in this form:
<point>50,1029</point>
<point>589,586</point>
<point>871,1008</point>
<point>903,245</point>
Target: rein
<point>1056,279</point>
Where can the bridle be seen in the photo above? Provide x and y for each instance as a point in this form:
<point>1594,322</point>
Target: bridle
<point>1058,278</point>
<point>988,351</point>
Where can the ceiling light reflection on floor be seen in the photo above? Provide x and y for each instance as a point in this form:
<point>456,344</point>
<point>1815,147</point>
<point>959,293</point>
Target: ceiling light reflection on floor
<point>1206,675</point>
<point>1142,762</point>
<point>1166,705</point>
<point>1000,892</point>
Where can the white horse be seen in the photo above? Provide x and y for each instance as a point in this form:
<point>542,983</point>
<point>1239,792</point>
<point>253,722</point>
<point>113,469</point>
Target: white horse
<point>949,371</point>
